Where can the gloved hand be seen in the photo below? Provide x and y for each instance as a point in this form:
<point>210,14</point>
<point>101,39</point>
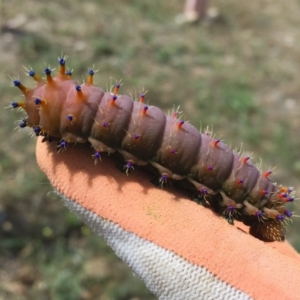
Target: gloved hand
<point>180,249</point>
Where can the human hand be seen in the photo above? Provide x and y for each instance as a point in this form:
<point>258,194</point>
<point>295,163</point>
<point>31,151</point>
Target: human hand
<point>180,249</point>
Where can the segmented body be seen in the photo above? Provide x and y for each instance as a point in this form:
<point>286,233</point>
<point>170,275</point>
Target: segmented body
<point>60,109</point>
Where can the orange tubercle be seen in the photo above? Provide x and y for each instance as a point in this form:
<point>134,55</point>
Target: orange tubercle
<point>48,75</point>
<point>90,78</point>
<point>144,111</point>
<point>20,86</point>
<point>116,88</point>
<point>142,97</point>
<point>79,92</point>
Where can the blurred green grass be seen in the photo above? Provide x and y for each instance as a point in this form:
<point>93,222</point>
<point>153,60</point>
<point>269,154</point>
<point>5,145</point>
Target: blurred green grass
<point>238,75</point>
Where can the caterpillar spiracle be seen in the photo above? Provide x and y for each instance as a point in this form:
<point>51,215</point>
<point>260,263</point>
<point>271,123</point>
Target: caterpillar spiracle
<point>60,109</point>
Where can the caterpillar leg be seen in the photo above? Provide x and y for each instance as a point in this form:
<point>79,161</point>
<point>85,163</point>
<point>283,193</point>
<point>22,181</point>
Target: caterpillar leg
<point>132,158</point>
<point>166,172</point>
<point>200,187</point>
<point>99,146</point>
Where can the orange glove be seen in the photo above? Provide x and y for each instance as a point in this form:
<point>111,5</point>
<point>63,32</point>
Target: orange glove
<point>180,249</point>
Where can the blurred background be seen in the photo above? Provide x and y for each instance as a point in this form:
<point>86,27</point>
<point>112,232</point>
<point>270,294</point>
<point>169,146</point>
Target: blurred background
<point>236,71</point>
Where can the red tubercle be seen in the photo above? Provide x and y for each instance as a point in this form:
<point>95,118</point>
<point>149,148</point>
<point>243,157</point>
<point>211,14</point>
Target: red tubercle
<point>289,199</point>
<point>215,142</point>
<point>180,124</point>
<point>245,159</point>
<point>240,181</point>
<point>144,111</point>
<point>113,99</point>
<point>209,168</point>
<point>268,173</point>
<point>285,198</point>
<point>282,196</point>
<point>264,192</point>
<point>175,114</point>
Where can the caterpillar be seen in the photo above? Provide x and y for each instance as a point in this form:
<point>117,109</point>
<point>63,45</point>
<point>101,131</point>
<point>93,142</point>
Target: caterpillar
<point>60,109</point>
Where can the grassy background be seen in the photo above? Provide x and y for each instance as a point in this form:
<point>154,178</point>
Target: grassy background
<point>238,74</point>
